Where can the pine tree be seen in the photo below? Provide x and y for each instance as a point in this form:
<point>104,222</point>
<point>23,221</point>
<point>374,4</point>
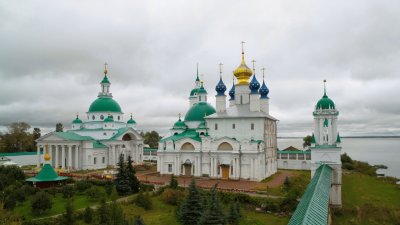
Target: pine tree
<point>122,180</point>
<point>103,213</point>
<point>173,183</point>
<point>213,215</point>
<point>116,215</point>
<point>138,221</point>
<point>234,214</point>
<point>68,217</point>
<point>190,211</point>
<point>133,180</point>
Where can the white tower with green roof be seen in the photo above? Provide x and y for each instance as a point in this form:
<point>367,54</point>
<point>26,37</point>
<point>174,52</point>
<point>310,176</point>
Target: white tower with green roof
<point>326,144</point>
<point>97,142</point>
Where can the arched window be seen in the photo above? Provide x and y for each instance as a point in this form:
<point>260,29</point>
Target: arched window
<point>187,146</point>
<point>119,117</point>
<point>252,126</point>
<point>216,126</point>
<point>102,117</point>
<point>233,126</point>
<point>225,146</point>
<point>241,99</point>
<point>93,117</point>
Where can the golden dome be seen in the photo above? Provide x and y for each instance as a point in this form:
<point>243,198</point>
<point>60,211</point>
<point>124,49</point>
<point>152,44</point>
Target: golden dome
<point>243,72</point>
<point>47,155</point>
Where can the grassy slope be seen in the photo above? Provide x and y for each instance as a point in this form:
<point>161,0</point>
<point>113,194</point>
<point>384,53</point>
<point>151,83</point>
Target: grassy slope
<point>79,201</point>
<point>165,214</point>
<point>367,200</point>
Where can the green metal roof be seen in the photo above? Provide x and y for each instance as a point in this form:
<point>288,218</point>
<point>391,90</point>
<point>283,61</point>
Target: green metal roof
<point>179,125</point>
<point>293,152</point>
<point>325,103</point>
<point>338,138</point>
<point>131,121</point>
<point>98,144</point>
<point>198,111</point>
<point>105,80</point>
<point>313,138</point>
<point>313,208</point>
<point>46,174</point>
<point>194,91</point>
<point>77,120</point>
<point>109,119</point>
<point>119,133</point>
<point>105,104</point>
<point>72,136</point>
<point>18,153</point>
<point>190,133</point>
<point>150,149</point>
<point>201,90</point>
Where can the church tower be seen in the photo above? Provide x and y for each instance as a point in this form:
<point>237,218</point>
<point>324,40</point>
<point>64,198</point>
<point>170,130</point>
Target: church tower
<point>325,144</point>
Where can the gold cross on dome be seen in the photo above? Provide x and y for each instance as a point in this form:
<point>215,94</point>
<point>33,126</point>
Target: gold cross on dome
<point>242,46</point>
<point>254,65</point>
<point>105,68</point>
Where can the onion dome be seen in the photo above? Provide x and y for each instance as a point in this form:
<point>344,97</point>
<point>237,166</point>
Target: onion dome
<point>264,90</point>
<point>194,92</point>
<point>131,121</point>
<point>198,111</point>
<point>232,92</point>
<point>325,102</point>
<point>77,120</point>
<point>201,89</point>
<point>220,88</point>
<point>109,119</point>
<point>243,72</point>
<point>179,124</point>
<point>105,79</point>
<point>254,85</point>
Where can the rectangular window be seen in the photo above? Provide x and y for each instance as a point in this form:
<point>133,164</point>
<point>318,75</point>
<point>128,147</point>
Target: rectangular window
<point>216,126</point>
<point>104,160</point>
<point>292,156</point>
<point>169,168</point>
<point>233,126</point>
<point>94,160</point>
<point>252,126</point>
<point>308,156</point>
<point>300,156</point>
<point>284,156</point>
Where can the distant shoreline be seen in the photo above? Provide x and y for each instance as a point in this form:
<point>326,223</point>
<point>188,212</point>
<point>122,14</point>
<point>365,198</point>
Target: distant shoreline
<point>347,137</point>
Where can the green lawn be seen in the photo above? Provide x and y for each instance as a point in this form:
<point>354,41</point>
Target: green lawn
<point>162,214</point>
<point>368,200</point>
<point>79,200</point>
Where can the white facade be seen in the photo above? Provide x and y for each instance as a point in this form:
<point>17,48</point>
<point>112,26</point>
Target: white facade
<point>326,145</point>
<point>238,142</point>
<point>96,143</point>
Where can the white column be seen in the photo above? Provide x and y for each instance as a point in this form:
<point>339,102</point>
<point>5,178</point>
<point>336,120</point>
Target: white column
<point>113,154</point>
<point>56,158</point>
<point>63,156</point>
<point>51,156</point>
<point>69,157</point>
<point>38,155</point>
<point>76,157</point>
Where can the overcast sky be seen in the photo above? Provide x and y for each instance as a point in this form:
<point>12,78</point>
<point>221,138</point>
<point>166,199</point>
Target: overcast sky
<point>52,55</point>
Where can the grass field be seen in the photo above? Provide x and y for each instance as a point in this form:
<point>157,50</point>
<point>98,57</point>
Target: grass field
<point>162,214</point>
<point>368,200</point>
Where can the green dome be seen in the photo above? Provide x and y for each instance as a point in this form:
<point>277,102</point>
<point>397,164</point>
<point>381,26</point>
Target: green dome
<point>103,104</point>
<point>202,90</point>
<point>325,103</point>
<point>105,80</point>
<point>77,120</point>
<point>131,121</point>
<point>198,111</point>
<point>109,119</point>
<point>194,91</point>
<point>179,124</point>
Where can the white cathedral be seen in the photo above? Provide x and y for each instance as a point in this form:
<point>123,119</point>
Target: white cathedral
<point>98,142</point>
<point>235,142</point>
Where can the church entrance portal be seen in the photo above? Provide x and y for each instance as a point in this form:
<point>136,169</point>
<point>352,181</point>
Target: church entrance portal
<point>187,168</point>
<point>225,172</point>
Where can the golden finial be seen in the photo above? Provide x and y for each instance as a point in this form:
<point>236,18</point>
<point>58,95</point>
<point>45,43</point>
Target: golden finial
<point>105,68</point>
<point>263,71</point>
<point>47,155</point>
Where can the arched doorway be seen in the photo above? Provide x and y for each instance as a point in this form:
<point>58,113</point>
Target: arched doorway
<point>225,146</point>
<point>187,167</point>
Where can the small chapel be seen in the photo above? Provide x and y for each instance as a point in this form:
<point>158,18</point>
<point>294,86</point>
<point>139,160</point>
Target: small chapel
<point>97,142</point>
<point>234,142</point>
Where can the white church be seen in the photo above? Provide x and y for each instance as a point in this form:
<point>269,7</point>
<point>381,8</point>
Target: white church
<point>97,142</point>
<point>235,142</point>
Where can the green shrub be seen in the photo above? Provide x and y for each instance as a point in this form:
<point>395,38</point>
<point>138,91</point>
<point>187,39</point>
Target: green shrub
<point>144,200</point>
<point>83,185</point>
<point>94,194</point>
<point>146,187</point>
<point>88,215</point>
<point>41,202</point>
<point>67,191</point>
<point>171,196</point>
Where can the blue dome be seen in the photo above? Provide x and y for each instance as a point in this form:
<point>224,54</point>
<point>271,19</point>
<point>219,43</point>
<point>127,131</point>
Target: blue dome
<point>254,85</point>
<point>220,88</point>
<point>264,90</point>
<point>232,92</point>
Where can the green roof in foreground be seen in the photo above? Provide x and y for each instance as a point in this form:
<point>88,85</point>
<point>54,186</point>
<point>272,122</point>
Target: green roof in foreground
<point>46,174</point>
<point>314,204</point>
<point>190,133</point>
<point>293,152</point>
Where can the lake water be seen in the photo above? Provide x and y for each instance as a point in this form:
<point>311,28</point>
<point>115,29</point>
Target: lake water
<point>375,151</point>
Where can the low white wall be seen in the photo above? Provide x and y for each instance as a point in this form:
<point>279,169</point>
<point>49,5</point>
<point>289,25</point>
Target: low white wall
<point>294,164</point>
<point>23,160</point>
